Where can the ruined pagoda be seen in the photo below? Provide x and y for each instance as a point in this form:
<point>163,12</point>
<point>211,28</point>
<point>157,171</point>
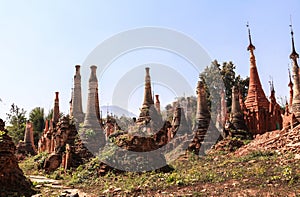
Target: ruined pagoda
<point>91,118</point>
<point>76,104</point>
<point>202,120</point>
<point>290,85</point>
<point>237,116</point>
<point>148,110</point>
<point>296,88</point>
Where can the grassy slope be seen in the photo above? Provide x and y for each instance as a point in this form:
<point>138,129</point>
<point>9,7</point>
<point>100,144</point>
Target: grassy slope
<point>257,174</point>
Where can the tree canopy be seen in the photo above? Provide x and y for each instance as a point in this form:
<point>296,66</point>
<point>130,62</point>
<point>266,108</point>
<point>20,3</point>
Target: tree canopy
<point>17,123</point>
<point>218,78</point>
<point>36,117</point>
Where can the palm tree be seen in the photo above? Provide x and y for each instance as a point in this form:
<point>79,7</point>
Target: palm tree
<point>50,115</point>
<point>36,117</point>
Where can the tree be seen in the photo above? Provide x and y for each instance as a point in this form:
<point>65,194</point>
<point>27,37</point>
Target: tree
<point>50,115</point>
<point>243,84</point>
<point>214,85</point>
<point>36,117</point>
<point>17,123</point>
<point>219,78</point>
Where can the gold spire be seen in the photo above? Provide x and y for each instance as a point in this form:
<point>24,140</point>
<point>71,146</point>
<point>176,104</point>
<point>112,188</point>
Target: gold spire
<point>251,47</point>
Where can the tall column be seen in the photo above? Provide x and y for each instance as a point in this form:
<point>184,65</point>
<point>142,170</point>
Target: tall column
<point>202,113</point>
<point>296,88</point>
<point>157,103</point>
<point>77,97</point>
<point>91,119</point>
<point>202,121</point>
<point>290,85</point>
<point>28,137</point>
<point>148,112</point>
<point>56,109</point>
<point>97,106</point>
<point>237,116</point>
<point>148,101</point>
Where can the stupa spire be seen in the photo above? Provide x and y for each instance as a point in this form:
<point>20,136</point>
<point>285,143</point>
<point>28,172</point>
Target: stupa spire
<point>251,47</point>
<point>148,99</point>
<point>294,55</point>
<point>256,95</point>
<point>296,88</point>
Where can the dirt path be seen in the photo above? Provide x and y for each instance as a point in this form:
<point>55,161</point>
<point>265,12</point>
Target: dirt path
<point>52,187</point>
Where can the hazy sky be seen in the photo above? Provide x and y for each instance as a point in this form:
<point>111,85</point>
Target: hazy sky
<point>42,41</point>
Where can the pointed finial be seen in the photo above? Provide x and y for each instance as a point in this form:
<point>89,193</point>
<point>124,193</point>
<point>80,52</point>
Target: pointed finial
<point>294,54</point>
<point>272,85</point>
<point>251,46</point>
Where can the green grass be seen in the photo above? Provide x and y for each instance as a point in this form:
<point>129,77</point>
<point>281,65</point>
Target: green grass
<point>260,169</point>
<point>33,165</point>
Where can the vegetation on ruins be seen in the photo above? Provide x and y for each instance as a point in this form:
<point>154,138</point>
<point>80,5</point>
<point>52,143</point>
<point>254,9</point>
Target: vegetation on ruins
<point>16,123</point>
<point>49,116</point>
<point>215,85</point>
<point>36,117</point>
<point>214,174</point>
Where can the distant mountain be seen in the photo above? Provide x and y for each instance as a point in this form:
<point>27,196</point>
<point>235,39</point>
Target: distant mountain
<point>116,110</point>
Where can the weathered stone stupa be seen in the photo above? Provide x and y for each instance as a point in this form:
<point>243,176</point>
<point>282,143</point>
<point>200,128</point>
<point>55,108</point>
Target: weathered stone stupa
<point>202,119</point>
<point>91,117</point>
<point>47,140</point>
<point>260,116</point>
<point>12,180</point>
<point>27,146</point>
<point>56,114</point>
<point>237,116</point>
<point>76,104</point>
<point>149,116</point>
<point>256,102</point>
<point>157,103</point>
<point>296,88</point>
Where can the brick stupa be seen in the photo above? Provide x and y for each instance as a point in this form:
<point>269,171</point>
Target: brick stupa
<point>12,180</point>
<point>261,115</point>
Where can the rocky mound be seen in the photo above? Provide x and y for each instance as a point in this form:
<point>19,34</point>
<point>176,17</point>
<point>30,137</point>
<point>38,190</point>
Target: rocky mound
<point>281,141</point>
<point>127,152</point>
<point>70,151</point>
<point>227,145</point>
<point>12,180</point>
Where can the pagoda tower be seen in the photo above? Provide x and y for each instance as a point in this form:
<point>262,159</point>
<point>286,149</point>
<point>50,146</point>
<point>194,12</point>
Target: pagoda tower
<point>274,111</point>
<point>237,116</point>
<point>148,110</point>
<point>56,115</point>
<point>157,103</point>
<point>296,88</point>
<point>148,101</point>
<point>92,118</point>
<point>256,102</point>
<point>290,85</point>
<point>77,97</point>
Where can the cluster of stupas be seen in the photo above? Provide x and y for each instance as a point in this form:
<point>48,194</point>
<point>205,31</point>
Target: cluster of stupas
<point>256,115</point>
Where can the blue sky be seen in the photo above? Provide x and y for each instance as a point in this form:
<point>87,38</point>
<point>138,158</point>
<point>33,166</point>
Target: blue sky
<point>42,41</point>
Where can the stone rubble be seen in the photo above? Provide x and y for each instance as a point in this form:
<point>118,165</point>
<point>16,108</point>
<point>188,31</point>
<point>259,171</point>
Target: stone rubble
<point>12,180</point>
